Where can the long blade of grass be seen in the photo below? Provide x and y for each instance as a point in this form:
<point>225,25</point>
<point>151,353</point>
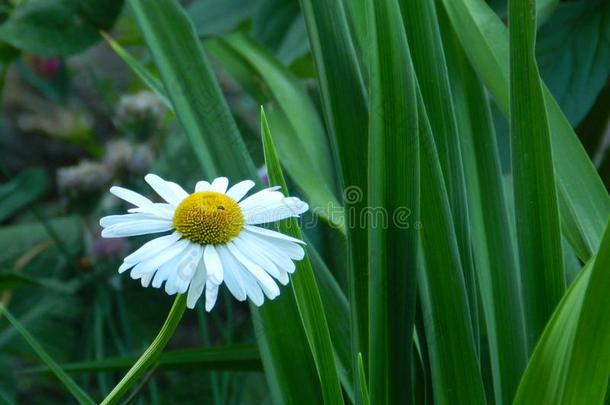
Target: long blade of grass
<point>191,86</point>
<point>536,207</point>
<point>584,201</point>
<point>571,363</point>
<point>345,112</point>
<point>393,186</point>
<point>456,377</point>
<point>81,396</point>
<point>203,112</point>
<point>497,268</point>
<point>422,27</point>
<point>229,357</point>
<point>302,144</point>
<point>305,289</point>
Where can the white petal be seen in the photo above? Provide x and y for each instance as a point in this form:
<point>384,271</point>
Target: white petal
<point>253,252</point>
<point>143,203</point>
<point>165,190</point>
<point>219,185</point>
<point>187,267</point>
<point>196,287</point>
<point>271,234</point>
<point>202,186</point>
<point>125,266</point>
<point>159,259</point>
<point>231,273</point>
<point>135,228</point>
<point>275,211</point>
<point>269,286</point>
<point>284,279</point>
<point>167,270</point>
<point>146,277</point>
<point>211,293</point>
<point>253,290</point>
<point>152,247</point>
<point>213,264</point>
<point>280,258</point>
<point>180,192</point>
<point>239,190</point>
<point>262,198</point>
<point>111,220</point>
<point>162,210</point>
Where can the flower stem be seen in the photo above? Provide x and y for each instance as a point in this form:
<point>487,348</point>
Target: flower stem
<point>152,353</point>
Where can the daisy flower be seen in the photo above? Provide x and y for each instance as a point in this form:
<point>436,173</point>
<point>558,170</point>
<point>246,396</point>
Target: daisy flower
<point>213,238</point>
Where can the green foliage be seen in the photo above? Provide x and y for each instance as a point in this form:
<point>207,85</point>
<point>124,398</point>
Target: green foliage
<point>573,56</point>
<point>433,273</point>
<point>58,27</point>
<point>22,190</point>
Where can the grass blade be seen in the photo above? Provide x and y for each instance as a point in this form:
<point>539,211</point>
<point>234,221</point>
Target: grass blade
<point>536,208</point>
<point>584,201</point>
<point>345,111</point>
<point>422,27</point>
<point>571,363</point>
<point>302,143</point>
<point>191,86</point>
<point>20,191</point>
<point>151,82</point>
<point>80,395</point>
<point>229,357</point>
<point>497,268</point>
<point>305,289</point>
<point>456,377</point>
<point>364,391</point>
<point>394,189</point>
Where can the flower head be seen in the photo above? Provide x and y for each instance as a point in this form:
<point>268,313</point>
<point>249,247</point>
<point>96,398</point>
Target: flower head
<point>213,238</point>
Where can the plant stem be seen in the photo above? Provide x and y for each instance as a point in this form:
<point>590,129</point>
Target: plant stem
<point>151,355</point>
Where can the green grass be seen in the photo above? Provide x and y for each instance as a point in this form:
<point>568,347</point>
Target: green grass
<point>458,243</point>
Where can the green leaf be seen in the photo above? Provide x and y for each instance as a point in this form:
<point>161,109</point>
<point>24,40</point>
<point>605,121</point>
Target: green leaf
<point>216,17</point>
<point>345,111</point>
<point>302,143</point>
<point>456,375</point>
<point>152,352</point>
<point>336,309</point>
<point>584,201</point>
<point>497,269</point>
<point>192,88</point>
<point>20,191</point>
<point>571,363</point>
<point>573,55</point>
<point>60,27</point>
<point>80,395</point>
<point>305,288</point>
<point>393,186</point>
<point>229,357</point>
<point>151,82</point>
<point>536,208</point>
<point>364,392</point>
<point>423,30</point>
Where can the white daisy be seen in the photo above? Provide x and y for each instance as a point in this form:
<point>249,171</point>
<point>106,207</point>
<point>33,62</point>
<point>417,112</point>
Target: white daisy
<point>213,239</point>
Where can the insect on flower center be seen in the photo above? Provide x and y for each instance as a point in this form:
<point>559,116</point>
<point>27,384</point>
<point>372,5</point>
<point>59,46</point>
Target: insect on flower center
<point>208,218</point>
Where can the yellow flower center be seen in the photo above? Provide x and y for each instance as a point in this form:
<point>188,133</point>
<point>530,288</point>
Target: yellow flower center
<point>208,218</point>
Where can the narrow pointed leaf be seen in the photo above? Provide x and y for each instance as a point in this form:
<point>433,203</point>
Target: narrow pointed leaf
<point>535,196</point>
<point>456,376</point>
<point>345,111</point>
<point>422,27</point>
<point>497,268</point>
<point>305,288</point>
<point>393,199</point>
<point>583,199</point>
<point>81,396</point>
<point>571,363</point>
